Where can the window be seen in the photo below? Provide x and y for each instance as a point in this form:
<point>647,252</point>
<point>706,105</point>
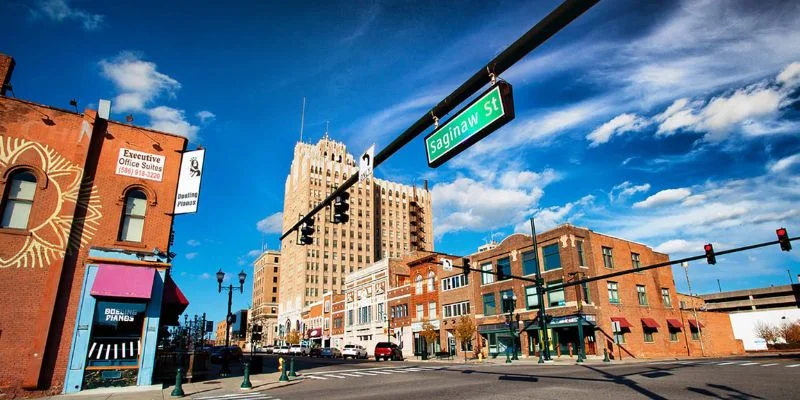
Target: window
<point>531,298</point>
<point>364,315</point>
<point>641,292</point>
<point>608,257</point>
<point>418,284</point>
<point>420,311</point>
<point>349,317</point>
<point>432,310</point>
<point>695,333</point>
<point>456,309</point>
<point>586,298</point>
<point>551,258</point>
<point>635,264</point>
<point>116,331</point>
<point>619,337</point>
<point>489,305</point>
<point>613,293</point>
<point>528,263</point>
<point>581,258</point>
<point>665,297</point>
<point>133,216</point>
<point>648,335</point>
<point>431,281</point>
<point>487,277</point>
<point>504,268</point>
<point>555,298</point>
<point>673,335</point>
<point>19,200</point>
<point>454,282</point>
<point>506,299</point>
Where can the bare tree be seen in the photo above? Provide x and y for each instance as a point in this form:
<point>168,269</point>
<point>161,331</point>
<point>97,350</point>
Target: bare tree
<point>464,331</point>
<point>767,332</point>
<point>789,332</point>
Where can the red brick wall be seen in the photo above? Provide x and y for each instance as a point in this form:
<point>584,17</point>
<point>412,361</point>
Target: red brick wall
<point>47,305</point>
<point>6,68</point>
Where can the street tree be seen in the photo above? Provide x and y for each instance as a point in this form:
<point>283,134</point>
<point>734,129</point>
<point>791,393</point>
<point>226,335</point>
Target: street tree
<point>429,333</point>
<point>464,332</point>
<point>790,332</point>
<point>767,332</point>
<point>293,337</point>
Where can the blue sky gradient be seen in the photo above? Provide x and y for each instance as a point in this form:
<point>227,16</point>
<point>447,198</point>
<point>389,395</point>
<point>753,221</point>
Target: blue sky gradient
<point>673,124</point>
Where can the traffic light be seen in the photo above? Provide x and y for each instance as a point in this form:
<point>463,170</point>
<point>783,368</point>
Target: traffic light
<point>340,207</point>
<point>465,263</point>
<point>306,230</point>
<point>710,257</point>
<point>783,239</point>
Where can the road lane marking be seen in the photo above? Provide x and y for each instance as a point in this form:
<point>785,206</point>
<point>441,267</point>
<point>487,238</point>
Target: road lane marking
<point>749,363</point>
<point>793,366</point>
<point>769,365</point>
<point>728,363</point>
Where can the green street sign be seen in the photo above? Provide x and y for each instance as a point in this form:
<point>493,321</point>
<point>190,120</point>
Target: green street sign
<point>491,110</point>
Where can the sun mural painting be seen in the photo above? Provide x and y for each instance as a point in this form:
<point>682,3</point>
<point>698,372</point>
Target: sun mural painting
<point>50,238</point>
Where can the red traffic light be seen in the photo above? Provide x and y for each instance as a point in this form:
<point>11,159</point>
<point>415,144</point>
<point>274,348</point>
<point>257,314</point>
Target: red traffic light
<point>783,239</point>
<point>711,258</point>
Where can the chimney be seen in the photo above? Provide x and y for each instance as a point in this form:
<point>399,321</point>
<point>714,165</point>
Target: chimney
<point>6,68</point>
<point>425,184</point>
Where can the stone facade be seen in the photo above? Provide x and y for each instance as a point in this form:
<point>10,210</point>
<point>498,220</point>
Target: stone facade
<point>264,311</point>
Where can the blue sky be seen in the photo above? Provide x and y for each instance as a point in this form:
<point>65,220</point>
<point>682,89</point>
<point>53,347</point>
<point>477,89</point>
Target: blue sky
<point>673,124</point>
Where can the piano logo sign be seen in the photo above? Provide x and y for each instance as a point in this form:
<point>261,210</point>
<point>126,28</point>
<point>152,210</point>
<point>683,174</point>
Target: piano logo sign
<point>116,315</point>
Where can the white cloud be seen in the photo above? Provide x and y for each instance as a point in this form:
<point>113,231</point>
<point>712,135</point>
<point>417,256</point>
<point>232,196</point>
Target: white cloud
<point>193,243</point>
<point>551,217</point>
<point>625,190</point>
<point>271,224</point>
<point>205,276</point>
<point>663,197</point>
<point>790,76</point>
<point>191,256</point>
<point>680,246</point>
<point>489,202</point>
<point>619,125</point>
<point>784,163</point>
<point>254,253</point>
<point>205,116</point>
<point>140,84</point>
<point>694,200</point>
<point>389,121</point>
<point>60,11</point>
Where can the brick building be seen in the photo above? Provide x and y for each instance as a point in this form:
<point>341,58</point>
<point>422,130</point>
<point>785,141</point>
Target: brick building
<point>264,311</point>
<point>644,303</point>
<point>85,201</point>
<point>219,339</point>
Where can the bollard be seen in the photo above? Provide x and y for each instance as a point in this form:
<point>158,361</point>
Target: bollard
<point>291,368</point>
<point>178,391</point>
<point>605,356</point>
<point>283,377</point>
<point>246,385</point>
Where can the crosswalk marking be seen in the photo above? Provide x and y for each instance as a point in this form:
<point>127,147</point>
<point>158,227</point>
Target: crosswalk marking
<point>333,376</point>
<point>769,365</point>
<point>237,396</point>
<point>348,374</point>
<point>382,372</point>
<point>364,373</point>
<point>749,363</point>
<point>793,366</point>
<point>316,377</point>
<point>728,363</point>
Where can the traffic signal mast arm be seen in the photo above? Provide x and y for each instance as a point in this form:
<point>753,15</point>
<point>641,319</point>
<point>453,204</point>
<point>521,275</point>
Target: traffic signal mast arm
<point>540,282</point>
<point>568,11</point>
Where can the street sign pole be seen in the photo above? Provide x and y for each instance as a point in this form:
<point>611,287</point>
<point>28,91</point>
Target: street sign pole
<point>540,296</point>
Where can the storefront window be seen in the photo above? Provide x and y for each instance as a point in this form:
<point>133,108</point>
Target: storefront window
<point>116,334</point>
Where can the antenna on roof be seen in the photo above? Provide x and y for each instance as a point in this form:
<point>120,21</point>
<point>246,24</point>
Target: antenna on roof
<point>302,119</point>
<point>326,129</point>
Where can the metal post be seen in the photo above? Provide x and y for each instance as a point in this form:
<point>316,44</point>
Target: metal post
<point>605,355</point>
<point>581,352</point>
<point>685,266</point>
<point>246,381</point>
<point>226,368</point>
<point>282,366</point>
<point>545,348</point>
<point>291,368</point>
<point>178,391</point>
<point>788,271</point>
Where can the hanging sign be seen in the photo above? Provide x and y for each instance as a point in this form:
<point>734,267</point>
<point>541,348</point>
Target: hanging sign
<point>191,173</point>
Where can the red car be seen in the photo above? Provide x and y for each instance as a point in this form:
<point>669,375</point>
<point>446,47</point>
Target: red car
<point>387,351</point>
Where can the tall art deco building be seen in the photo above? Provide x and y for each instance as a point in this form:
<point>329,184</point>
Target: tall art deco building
<point>387,219</point>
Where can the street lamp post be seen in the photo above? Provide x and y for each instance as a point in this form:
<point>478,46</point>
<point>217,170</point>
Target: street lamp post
<point>510,303</point>
<point>226,369</point>
<point>685,266</point>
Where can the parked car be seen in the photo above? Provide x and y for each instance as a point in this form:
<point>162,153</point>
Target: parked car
<point>219,353</point>
<point>354,351</point>
<point>387,351</point>
<point>268,349</point>
<point>282,350</point>
<point>299,350</point>
<point>330,352</point>
<point>315,352</point>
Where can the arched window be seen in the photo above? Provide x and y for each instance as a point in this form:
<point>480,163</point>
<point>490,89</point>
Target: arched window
<point>133,216</point>
<point>419,284</point>
<point>18,200</point>
<point>430,281</point>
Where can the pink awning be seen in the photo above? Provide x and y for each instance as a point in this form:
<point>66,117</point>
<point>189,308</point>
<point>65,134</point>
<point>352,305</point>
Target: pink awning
<point>123,281</point>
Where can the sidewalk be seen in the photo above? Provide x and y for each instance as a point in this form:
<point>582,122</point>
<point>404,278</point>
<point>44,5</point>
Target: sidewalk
<point>261,383</point>
<point>559,361</point>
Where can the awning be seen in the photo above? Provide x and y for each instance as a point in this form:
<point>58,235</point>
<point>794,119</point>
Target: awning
<point>623,323</point>
<point>314,333</point>
<point>674,323</point>
<point>174,303</point>
<point>650,323</point>
<point>694,323</point>
<point>123,281</point>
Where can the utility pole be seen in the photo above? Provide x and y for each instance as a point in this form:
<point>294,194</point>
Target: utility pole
<point>789,271</point>
<point>545,345</point>
<point>685,266</point>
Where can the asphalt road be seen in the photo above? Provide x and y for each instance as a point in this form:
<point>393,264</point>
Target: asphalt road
<point>740,378</point>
